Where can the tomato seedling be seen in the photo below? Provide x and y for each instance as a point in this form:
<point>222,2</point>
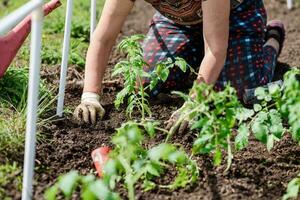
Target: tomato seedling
<point>132,70</point>
<point>131,162</point>
<point>212,115</point>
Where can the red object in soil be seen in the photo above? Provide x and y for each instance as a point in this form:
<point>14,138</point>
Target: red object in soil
<point>13,40</point>
<point>100,157</point>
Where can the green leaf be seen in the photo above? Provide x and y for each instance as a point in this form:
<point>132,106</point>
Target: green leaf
<point>148,185</point>
<point>161,151</point>
<point>153,169</point>
<point>164,74</point>
<point>150,128</point>
<point>260,93</point>
<point>120,97</point>
<point>217,157</point>
<point>292,189</point>
<point>177,157</point>
<point>260,131</point>
<point>87,194</point>
<point>101,191</point>
<point>270,142</point>
<point>244,114</point>
<point>51,193</point>
<point>203,139</point>
<point>68,182</point>
<point>241,140</point>
<point>257,107</point>
<point>274,89</point>
<point>153,83</point>
<point>181,63</point>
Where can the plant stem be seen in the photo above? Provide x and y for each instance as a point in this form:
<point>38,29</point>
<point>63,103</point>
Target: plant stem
<point>129,178</point>
<point>229,152</point>
<point>143,96</point>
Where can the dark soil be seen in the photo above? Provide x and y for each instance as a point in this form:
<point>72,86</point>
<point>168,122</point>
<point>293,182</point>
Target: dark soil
<point>255,173</point>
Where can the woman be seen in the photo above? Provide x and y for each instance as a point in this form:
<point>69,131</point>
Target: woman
<point>226,41</point>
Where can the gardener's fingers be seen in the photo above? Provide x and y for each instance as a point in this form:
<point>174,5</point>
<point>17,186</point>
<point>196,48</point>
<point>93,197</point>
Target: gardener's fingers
<point>92,113</point>
<point>85,114</point>
<point>183,126</point>
<point>78,114</point>
<point>170,123</point>
<point>101,112</point>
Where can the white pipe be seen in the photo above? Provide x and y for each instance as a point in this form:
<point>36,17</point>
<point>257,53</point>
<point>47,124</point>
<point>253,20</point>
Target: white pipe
<point>64,62</point>
<point>93,17</point>
<point>289,4</point>
<point>32,107</point>
<point>10,21</point>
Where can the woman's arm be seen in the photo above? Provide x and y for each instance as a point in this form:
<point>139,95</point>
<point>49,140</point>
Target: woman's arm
<point>215,32</point>
<point>113,16</point>
<point>112,19</point>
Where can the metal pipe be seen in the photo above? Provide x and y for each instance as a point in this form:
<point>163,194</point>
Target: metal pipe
<point>10,21</point>
<point>289,4</point>
<point>93,17</point>
<point>32,107</point>
<point>65,57</point>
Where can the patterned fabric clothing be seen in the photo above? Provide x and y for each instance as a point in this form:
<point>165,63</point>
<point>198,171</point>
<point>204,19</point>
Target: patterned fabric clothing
<point>249,63</point>
<point>184,12</point>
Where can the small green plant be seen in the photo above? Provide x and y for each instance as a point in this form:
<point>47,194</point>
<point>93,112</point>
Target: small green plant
<point>90,188</point>
<point>132,69</point>
<point>212,115</point>
<point>292,189</point>
<point>131,162</point>
<point>265,120</point>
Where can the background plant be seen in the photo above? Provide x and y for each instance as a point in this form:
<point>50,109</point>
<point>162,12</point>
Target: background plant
<point>265,120</point>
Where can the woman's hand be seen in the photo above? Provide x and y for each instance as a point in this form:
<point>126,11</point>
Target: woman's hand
<point>90,109</point>
<point>112,19</point>
<point>176,126</point>
<point>216,34</point>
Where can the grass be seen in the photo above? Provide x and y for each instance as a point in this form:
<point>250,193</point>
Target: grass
<point>10,174</point>
<point>13,86</point>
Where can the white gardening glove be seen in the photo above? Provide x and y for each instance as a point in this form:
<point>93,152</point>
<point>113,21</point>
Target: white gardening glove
<point>89,109</point>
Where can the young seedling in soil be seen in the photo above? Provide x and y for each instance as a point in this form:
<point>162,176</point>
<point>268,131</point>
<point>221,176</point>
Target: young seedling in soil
<point>212,115</point>
<point>265,120</point>
<point>131,162</point>
<point>292,189</point>
<point>89,187</point>
<point>132,70</point>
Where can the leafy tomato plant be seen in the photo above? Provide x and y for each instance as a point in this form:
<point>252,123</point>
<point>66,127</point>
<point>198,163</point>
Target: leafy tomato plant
<point>265,120</point>
<point>212,115</point>
<point>130,162</point>
<point>132,70</point>
<point>88,186</point>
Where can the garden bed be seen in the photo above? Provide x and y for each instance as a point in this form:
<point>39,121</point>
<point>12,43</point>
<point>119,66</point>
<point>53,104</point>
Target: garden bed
<point>255,173</point>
